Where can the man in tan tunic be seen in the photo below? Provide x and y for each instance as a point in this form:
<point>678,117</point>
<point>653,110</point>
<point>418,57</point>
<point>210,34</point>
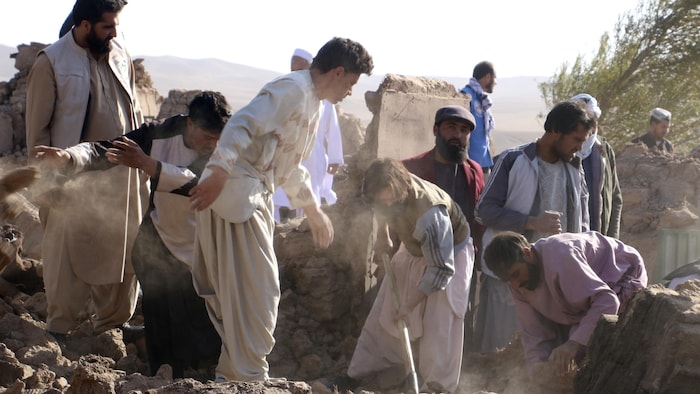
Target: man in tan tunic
<point>81,88</point>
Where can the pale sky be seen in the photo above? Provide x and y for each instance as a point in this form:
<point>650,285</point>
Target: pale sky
<point>421,38</point>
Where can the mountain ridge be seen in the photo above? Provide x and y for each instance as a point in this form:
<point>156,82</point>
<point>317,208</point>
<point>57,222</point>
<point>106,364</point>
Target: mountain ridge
<point>517,101</point>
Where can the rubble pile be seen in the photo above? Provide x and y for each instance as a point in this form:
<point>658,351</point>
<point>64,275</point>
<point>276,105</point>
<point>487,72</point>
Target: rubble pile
<point>659,191</point>
<point>326,294</point>
<point>652,347</point>
<point>13,98</point>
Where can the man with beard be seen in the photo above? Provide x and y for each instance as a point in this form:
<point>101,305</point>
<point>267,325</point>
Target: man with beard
<point>537,189</point>
<point>431,268</point>
<point>448,166</point>
<point>480,85</point>
<point>82,88</point>
<point>561,285</point>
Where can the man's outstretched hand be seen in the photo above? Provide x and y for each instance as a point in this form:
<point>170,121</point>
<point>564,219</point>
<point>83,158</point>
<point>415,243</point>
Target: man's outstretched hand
<point>320,224</point>
<point>208,190</point>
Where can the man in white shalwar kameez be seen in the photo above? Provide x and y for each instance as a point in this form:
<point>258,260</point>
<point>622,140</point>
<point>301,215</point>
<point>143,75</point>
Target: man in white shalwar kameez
<point>262,146</point>
<point>432,270</point>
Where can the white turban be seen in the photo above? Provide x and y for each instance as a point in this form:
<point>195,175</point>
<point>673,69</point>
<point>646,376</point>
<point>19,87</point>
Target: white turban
<point>306,55</point>
<point>590,101</point>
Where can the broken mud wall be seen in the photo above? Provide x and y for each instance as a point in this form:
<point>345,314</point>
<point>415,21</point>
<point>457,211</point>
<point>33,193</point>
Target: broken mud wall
<point>660,196</point>
<point>176,103</point>
<point>652,347</point>
<point>403,112</point>
<point>13,99</point>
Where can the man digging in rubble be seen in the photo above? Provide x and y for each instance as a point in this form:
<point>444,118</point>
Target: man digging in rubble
<point>432,269</point>
<point>172,152</point>
<point>537,189</point>
<point>561,286</point>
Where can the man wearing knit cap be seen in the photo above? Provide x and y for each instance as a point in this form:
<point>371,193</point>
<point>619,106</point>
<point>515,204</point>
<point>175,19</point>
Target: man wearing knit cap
<point>659,127</point>
<point>448,166</point>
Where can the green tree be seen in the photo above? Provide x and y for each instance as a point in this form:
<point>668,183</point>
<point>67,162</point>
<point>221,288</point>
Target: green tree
<point>652,59</point>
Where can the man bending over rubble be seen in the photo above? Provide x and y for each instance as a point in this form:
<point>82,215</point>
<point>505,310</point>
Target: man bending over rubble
<point>561,286</point>
<point>432,267</point>
<point>172,152</point>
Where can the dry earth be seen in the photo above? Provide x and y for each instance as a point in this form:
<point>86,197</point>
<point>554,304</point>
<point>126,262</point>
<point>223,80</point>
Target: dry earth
<point>652,348</point>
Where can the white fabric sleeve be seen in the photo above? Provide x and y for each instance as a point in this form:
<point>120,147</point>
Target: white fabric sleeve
<point>335,140</point>
<point>434,231</point>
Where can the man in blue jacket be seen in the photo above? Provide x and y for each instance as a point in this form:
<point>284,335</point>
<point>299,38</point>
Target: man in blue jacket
<point>479,87</point>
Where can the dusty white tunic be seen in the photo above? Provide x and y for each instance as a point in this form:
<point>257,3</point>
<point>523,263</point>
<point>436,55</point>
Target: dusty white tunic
<point>235,268</point>
<point>328,149</point>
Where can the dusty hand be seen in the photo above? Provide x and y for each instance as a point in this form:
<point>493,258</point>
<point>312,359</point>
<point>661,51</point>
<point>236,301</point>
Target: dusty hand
<point>51,156</point>
<point>320,224</point>
<point>546,222</point>
<point>207,191</point>
<point>130,154</point>
<point>383,244</point>
<point>562,357</point>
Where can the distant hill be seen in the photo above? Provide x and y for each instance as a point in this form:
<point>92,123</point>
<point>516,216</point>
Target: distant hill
<point>517,101</point>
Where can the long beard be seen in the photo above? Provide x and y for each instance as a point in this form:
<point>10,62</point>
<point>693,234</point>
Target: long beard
<point>452,153</point>
<point>97,45</point>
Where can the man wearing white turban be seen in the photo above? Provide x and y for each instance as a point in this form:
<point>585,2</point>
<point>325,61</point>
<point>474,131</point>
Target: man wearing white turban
<point>598,159</point>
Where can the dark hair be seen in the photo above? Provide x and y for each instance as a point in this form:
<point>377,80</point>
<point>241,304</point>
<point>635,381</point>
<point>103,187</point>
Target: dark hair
<point>92,10</point>
<point>504,250</point>
<point>566,116</point>
<point>483,69</point>
<point>383,173</point>
<point>343,52</point>
<point>209,111</point>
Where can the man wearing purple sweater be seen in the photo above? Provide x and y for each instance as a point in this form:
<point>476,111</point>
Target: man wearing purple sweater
<point>561,286</point>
